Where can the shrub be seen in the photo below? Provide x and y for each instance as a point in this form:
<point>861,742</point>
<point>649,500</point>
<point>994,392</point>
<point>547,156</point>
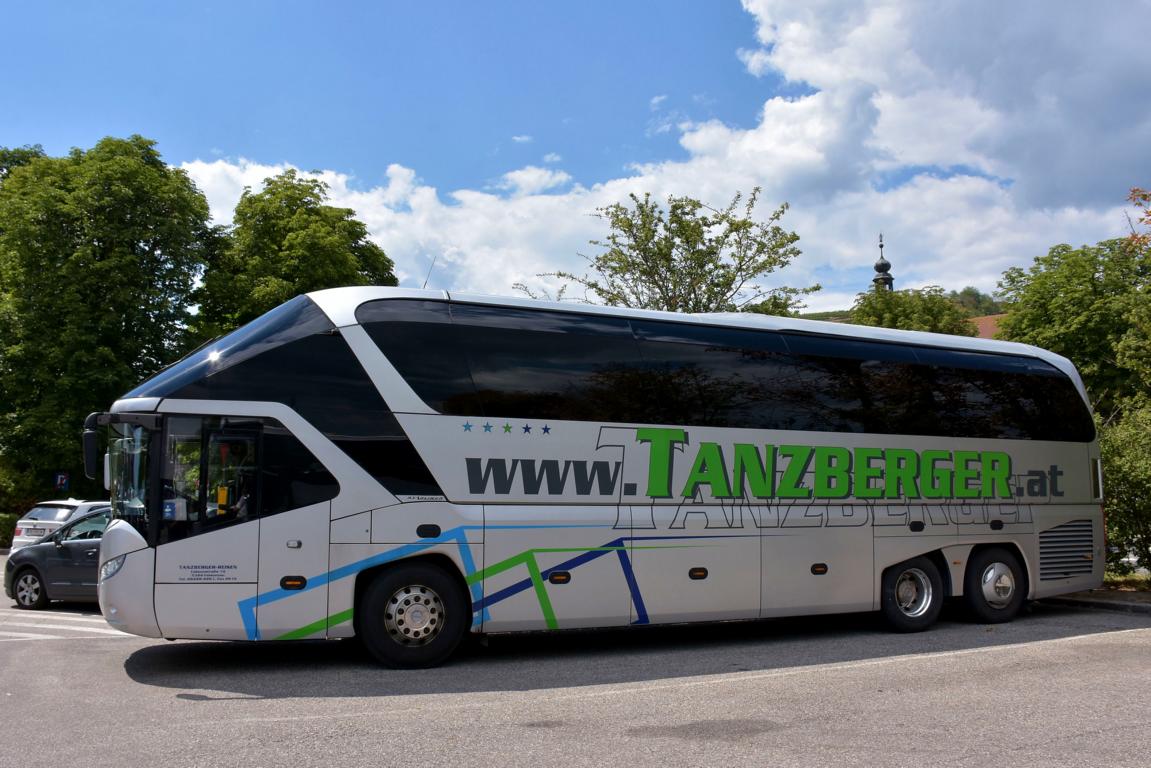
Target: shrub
<point>1126,447</point>
<point>7,524</point>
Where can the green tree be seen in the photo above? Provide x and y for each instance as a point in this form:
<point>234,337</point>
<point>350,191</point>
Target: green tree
<point>1091,304</point>
<point>15,157</point>
<point>1134,349</point>
<point>99,251</point>
<point>689,258</point>
<point>1081,303</point>
<point>286,241</point>
<point>1126,450</point>
<point>926,309</point>
<point>975,302</point>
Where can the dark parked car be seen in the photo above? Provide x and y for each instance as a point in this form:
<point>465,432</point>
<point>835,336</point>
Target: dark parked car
<point>61,566</point>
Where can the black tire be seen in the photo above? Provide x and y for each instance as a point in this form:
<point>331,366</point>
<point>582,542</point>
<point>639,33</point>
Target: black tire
<point>995,585</point>
<point>413,616</point>
<point>912,595</point>
<point>28,589</point>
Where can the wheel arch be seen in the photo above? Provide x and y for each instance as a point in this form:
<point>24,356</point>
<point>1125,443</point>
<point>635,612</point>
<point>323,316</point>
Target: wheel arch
<point>937,558</point>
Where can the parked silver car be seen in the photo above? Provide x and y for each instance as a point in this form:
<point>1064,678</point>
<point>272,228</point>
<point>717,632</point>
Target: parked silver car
<point>47,516</point>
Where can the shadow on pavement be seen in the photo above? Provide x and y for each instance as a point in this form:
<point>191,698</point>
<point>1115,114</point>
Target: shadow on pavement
<point>229,670</point>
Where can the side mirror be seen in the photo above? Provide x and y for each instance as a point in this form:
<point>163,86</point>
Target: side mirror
<point>59,542</point>
<point>91,445</point>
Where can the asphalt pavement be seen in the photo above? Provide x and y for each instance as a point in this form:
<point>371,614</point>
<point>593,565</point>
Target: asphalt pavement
<point>1062,685</point>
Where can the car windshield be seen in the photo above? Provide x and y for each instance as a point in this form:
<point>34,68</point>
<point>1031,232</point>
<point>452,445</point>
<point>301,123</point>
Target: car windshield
<point>128,461</point>
<point>49,513</point>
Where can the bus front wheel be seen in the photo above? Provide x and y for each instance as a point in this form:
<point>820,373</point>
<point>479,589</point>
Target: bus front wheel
<point>413,616</point>
<point>912,595</point>
<point>994,586</point>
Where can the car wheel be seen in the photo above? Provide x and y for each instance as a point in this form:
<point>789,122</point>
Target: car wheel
<point>28,588</point>
<point>413,616</point>
<point>994,586</point>
<point>912,595</point>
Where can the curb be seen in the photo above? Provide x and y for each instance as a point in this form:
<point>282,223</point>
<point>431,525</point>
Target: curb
<point>1120,606</point>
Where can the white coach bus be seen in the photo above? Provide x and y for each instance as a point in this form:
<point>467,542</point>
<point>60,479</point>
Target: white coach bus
<point>408,465</point>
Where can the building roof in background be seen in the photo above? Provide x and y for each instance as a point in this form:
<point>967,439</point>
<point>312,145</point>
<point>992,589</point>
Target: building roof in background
<point>987,325</point>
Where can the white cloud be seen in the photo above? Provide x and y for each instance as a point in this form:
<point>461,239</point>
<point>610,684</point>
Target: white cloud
<point>656,102</point>
<point>531,180</point>
<point>1053,97</point>
<point>522,139</point>
<point>552,157</point>
<point>973,135</point>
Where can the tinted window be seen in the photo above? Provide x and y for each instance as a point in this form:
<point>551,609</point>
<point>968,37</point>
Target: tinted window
<point>702,375</point>
<point>851,385</point>
<point>391,459</point>
<point>542,364</point>
<point>295,319</point>
<point>317,376</point>
<point>416,336</point>
<point>290,476</point>
<point>549,365</point>
<point>43,512</point>
<point>320,378</point>
<point>984,395</point>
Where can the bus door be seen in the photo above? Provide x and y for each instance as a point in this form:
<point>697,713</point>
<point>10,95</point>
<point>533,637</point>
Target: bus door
<point>208,540</point>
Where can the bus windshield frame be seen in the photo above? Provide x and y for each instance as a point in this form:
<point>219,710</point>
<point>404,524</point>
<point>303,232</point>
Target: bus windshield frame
<point>130,464</point>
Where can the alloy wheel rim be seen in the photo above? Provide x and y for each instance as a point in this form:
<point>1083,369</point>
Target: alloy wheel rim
<point>27,589</point>
<point>414,615</point>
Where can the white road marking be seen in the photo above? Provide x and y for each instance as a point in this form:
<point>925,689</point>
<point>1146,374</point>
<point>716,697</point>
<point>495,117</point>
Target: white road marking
<point>29,616</point>
<point>56,638</point>
<point>71,627</point>
<point>28,636</point>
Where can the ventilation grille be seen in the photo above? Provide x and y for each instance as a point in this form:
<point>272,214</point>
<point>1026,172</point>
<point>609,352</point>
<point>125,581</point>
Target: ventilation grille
<point>1066,551</point>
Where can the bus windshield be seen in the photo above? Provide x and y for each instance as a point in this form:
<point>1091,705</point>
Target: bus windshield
<point>128,463</point>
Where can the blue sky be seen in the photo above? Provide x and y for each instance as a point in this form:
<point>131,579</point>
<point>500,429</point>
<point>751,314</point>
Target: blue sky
<point>356,86</point>
<point>481,135</point>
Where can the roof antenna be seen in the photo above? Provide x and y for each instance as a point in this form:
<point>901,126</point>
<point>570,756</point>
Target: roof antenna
<point>433,266</point>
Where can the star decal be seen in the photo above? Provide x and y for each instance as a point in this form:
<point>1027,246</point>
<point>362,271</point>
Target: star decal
<point>547,430</point>
<point>488,427</point>
<point>527,429</point>
<point>507,428</point>
<point>468,426</point>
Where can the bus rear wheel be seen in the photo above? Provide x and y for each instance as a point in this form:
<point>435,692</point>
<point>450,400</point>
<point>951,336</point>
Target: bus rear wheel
<point>994,586</point>
<point>413,616</point>
<point>912,595</point>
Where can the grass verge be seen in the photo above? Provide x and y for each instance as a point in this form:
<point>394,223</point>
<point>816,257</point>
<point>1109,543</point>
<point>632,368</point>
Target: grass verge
<point>1127,583</point>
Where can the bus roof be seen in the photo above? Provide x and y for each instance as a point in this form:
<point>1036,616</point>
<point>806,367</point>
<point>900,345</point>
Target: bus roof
<point>340,305</point>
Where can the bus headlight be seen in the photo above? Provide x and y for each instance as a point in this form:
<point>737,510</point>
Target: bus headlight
<point>112,567</point>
